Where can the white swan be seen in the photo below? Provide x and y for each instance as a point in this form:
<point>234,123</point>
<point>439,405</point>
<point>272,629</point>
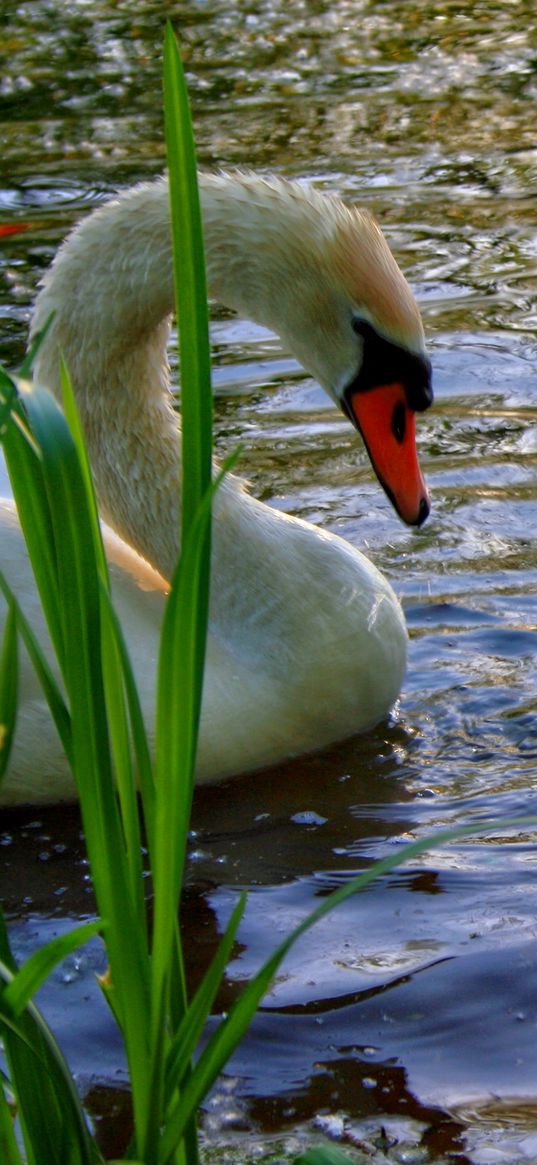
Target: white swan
<point>307,640</point>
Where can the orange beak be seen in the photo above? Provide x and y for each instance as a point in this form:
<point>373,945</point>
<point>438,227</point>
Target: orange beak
<point>388,429</point>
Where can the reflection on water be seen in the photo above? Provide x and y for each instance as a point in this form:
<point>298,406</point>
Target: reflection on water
<point>418,997</point>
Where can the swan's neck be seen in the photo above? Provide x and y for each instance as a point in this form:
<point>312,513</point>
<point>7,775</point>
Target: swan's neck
<point>277,252</point>
<point>111,292</point>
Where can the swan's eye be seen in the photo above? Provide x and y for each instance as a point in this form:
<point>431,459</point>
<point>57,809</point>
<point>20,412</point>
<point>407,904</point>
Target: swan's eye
<point>384,362</point>
<point>399,422</point>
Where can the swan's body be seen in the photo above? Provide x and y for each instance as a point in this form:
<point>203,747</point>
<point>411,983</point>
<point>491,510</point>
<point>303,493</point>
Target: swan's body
<point>307,641</point>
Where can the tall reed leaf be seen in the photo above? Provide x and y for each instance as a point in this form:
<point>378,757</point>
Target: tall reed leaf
<point>190,284</point>
<point>113,664</point>
<point>66,536</point>
<point>184,628</point>
<point>53,1125</point>
<point>16,996</point>
<point>55,700</point>
<point>9,680</point>
<point>9,1149</point>
<point>24,465</point>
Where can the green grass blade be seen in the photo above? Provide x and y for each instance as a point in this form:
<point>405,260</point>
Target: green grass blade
<point>25,370</point>
<point>117,673</point>
<point>190,284</point>
<point>175,757</point>
<point>77,435</point>
<point>71,545</point>
<point>177,734</point>
<point>182,659</point>
<point>122,758</point>
<point>190,1030</point>
<point>31,976</point>
<point>178,703</point>
<point>8,397</point>
<point>129,749</point>
<point>9,1149</point>
<point>56,703</point>
<point>176,750</point>
<point>324,1155</point>
<point>9,682</point>
<point>24,465</point>
<point>139,736</point>
<point>72,533</point>
<point>184,628</point>
<point>52,1119</point>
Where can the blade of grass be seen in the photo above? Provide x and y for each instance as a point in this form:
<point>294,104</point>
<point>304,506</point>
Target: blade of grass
<point>196,392</point>
<point>24,465</point>
<point>9,682</point>
<point>52,1119</point>
<point>25,370</point>
<point>120,744</point>
<point>83,467</point>
<point>115,666</point>
<point>190,284</point>
<point>176,737</point>
<point>9,1149</point>
<point>323,1155</point>
<point>56,703</point>
<point>31,976</point>
<point>191,1029</point>
<point>185,624</point>
<point>136,719</point>
<point>8,398</point>
<point>72,532</point>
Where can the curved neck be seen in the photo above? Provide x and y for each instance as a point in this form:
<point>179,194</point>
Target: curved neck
<point>111,291</point>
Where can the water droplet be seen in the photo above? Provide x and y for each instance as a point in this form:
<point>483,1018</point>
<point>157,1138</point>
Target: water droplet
<point>308,817</point>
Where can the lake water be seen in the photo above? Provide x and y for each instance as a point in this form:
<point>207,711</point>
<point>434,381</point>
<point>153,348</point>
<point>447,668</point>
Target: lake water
<point>413,1008</point>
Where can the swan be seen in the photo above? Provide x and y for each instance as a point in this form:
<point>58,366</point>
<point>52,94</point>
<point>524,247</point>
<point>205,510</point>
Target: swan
<point>307,640</point>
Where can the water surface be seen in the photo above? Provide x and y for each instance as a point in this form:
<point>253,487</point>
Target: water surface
<point>417,999</point>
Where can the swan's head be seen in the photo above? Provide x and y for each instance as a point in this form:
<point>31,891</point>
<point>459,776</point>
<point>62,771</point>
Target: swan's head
<point>321,274</point>
<point>388,380</point>
<point>391,385</point>
<point>352,320</point>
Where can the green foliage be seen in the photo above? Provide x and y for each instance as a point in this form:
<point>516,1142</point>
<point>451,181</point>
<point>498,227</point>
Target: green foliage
<point>326,1155</point>
<point>101,725</point>
<point>51,1118</point>
<point>9,679</point>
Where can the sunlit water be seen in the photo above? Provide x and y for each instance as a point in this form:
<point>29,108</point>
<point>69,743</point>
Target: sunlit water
<point>417,998</point>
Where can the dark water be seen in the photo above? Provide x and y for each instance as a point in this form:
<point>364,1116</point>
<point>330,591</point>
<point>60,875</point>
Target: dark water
<point>418,998</point>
